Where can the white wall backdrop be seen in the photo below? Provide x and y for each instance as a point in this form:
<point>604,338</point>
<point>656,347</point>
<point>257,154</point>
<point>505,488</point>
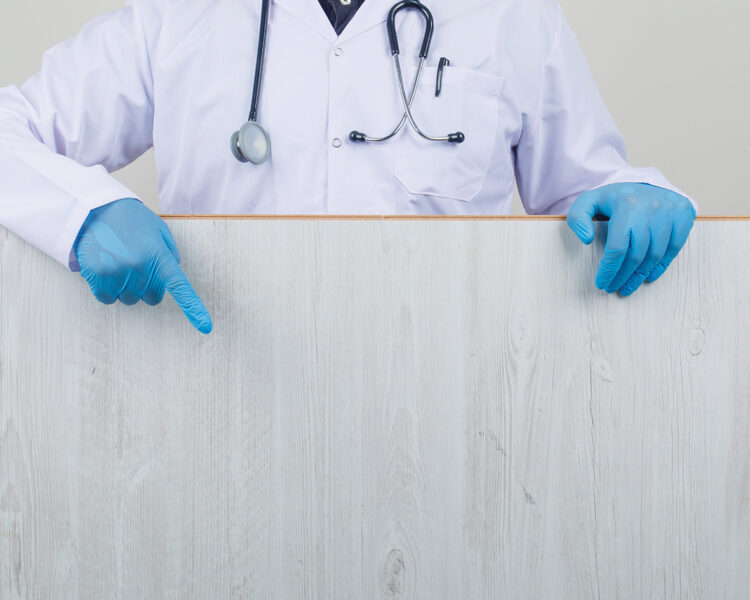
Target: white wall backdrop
<point>675,74</point>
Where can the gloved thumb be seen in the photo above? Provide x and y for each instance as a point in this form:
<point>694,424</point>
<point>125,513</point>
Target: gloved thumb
<point>581,216</point>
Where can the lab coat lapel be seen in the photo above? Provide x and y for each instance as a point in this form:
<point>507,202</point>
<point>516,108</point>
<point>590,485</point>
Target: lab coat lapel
<point>311,13</point>
<point>371,14</point>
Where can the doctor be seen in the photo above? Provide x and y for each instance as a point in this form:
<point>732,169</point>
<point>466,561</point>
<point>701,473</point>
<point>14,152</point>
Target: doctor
<point>181,76</point>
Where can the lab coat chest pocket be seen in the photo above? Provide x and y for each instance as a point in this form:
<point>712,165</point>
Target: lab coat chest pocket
<point>468,103</point>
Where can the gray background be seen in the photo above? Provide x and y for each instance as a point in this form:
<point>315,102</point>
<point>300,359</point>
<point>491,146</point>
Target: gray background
<point>675,74</point>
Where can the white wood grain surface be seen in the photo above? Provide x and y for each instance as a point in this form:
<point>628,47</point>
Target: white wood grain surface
<point>386,409</point>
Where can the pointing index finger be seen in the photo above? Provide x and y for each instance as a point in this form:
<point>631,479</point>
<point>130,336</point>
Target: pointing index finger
<point>187,299</point>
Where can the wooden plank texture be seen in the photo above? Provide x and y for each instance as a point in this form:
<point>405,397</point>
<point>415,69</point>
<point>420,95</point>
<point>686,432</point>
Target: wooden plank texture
<point>386,409</point>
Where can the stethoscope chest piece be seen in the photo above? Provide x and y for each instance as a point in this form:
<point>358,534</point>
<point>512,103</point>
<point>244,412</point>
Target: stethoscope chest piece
<point>251,144</point>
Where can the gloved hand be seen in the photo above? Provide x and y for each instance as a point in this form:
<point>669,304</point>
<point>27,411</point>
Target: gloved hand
<point>648,226</point>
<point>127,253</point>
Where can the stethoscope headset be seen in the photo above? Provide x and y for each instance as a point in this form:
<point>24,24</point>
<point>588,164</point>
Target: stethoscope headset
<point>252,142</point>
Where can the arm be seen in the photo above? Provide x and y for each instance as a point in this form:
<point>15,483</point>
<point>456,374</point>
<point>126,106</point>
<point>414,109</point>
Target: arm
<point>571,159</point>
<point>88,111</point>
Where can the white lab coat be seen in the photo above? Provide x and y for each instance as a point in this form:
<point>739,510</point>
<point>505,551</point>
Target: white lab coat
<point>177,75</point>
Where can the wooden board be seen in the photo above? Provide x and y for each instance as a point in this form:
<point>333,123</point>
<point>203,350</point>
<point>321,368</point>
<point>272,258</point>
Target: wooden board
<point>386,409</point>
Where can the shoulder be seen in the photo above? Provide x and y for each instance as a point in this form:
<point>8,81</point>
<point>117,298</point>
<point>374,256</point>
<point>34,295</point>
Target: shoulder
<point>168,24</point>
<point>525,29</point>
<point>533,25</point>
<point>540,18</point>
<point>522,33</point>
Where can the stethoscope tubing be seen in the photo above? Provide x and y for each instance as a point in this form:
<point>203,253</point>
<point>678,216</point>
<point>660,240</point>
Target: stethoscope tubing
<point>252,142</point>
<point>265,7</point>
<point>407,104</point>
<point>457,137</point>
<point>404,117</point>
<point>428,31</point>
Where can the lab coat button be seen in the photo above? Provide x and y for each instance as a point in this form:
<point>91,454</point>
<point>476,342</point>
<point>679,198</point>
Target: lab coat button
<point>338,51</point>
<point>336,143</point>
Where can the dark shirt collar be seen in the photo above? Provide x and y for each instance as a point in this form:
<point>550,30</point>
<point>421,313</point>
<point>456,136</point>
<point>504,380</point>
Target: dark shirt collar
<point>340,14</point>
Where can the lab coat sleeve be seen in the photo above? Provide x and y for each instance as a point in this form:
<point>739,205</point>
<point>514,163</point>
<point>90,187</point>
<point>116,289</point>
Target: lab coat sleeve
<point>570,143</point>
<point>89,111</point>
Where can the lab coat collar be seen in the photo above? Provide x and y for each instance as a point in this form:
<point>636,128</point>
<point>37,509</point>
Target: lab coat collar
<point>311,13</point>
<point>369,15</point>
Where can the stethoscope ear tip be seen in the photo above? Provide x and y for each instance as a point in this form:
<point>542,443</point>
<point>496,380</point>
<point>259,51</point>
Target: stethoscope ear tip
<point>357,136</point>
<point>457,138</point>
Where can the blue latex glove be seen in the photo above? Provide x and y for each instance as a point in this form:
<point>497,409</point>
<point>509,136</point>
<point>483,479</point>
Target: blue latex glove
<point>127,253</point>
<point>648,226</point>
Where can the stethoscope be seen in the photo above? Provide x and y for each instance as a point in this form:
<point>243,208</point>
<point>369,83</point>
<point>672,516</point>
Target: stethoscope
<point>252,142</point>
